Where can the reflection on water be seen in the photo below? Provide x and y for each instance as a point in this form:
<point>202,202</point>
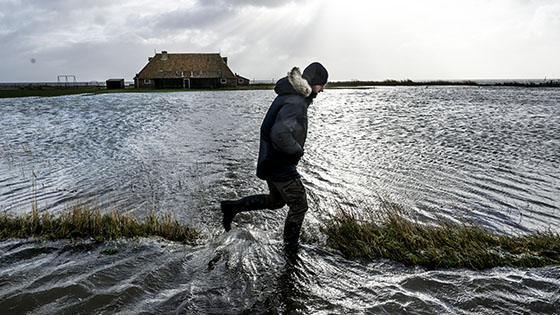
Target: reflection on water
<point>489,155</point>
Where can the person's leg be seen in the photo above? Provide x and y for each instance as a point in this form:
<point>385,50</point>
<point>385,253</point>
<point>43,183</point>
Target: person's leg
<point>272,200</point>
<point>293,192</point>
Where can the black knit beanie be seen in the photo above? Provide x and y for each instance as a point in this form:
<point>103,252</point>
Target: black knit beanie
<point>316,74</point>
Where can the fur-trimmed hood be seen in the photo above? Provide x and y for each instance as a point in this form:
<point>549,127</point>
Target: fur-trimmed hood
<point>293,83</point>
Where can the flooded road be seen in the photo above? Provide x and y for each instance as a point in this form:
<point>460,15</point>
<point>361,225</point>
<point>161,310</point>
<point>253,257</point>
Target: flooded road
<point>487,155</point>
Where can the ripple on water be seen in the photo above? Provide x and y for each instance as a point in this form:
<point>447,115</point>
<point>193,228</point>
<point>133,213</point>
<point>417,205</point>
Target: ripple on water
<point>482,154</point>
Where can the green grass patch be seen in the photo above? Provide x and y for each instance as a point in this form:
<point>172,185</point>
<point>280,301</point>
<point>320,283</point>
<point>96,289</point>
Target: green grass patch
<point>389,234</point>
<point>83,222</point>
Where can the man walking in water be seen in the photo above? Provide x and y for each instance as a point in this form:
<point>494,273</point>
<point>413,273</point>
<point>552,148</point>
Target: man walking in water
<point>283,134</point>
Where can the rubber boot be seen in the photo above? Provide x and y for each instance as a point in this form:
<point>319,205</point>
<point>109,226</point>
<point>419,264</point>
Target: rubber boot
<point>232,207</point>
<point>291,236</point>
<point>229,209</point>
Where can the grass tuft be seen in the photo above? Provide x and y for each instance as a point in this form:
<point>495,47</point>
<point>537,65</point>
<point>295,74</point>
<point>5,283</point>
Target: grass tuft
<point>389,234</point>
<point>81,222</point>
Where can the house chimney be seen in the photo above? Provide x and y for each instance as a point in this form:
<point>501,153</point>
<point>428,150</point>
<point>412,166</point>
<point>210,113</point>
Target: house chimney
<point>164,55</point>
<point>224,59</point>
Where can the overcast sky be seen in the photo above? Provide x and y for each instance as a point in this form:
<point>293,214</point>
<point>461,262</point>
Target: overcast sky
<point>354,39</point>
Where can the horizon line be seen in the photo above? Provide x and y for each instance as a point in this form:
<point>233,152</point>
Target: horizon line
<point>337,80</point>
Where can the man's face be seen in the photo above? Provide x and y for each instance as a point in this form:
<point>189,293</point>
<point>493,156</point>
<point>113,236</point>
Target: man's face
<point>316,89</point>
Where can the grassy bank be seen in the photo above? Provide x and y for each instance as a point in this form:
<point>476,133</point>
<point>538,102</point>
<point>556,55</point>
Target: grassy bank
<point>49,91</point>
<point>82,222</point>
<point>389,234</point>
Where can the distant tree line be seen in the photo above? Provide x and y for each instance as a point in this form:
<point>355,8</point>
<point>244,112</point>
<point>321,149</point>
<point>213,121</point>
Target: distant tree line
<point>549,83</point>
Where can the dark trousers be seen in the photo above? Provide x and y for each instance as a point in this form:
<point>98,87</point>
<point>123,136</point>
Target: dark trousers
<point>291,193</point>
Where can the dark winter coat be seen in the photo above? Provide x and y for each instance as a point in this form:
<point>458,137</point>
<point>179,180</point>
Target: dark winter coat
<point>284,129</point>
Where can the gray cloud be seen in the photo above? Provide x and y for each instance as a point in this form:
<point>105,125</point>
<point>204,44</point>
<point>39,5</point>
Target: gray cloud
<point>68,36</point>
<point>195,18</point>
<point>263,39</point>
<point>87,61</point>
<point>208,13</point>
<point>241,3</point>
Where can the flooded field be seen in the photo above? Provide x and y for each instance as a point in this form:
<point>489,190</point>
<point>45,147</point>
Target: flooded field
<point>487,155</point>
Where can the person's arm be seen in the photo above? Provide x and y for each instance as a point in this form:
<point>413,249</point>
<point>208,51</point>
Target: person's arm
<point>288,124</point>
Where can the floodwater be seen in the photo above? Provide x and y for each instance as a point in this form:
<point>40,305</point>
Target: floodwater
<point>488,155</point>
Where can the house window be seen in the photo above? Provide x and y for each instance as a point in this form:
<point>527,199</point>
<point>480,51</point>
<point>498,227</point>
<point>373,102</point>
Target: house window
<point>223,81</point>
<point>147,81</point>
<point>240,81</point>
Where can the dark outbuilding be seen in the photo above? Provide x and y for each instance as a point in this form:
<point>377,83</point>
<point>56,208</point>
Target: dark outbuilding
<point>113,84</point>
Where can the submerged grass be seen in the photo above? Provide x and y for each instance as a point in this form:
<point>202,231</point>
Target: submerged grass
<point>389,234</point>
<point>81,222</point>
<point>386,233</point>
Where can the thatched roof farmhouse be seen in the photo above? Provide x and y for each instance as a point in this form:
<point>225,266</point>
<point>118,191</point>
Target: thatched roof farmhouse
<point>178,71</point>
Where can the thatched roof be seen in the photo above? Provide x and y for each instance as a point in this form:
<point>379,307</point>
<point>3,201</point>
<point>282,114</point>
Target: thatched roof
<point>170,66</point>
